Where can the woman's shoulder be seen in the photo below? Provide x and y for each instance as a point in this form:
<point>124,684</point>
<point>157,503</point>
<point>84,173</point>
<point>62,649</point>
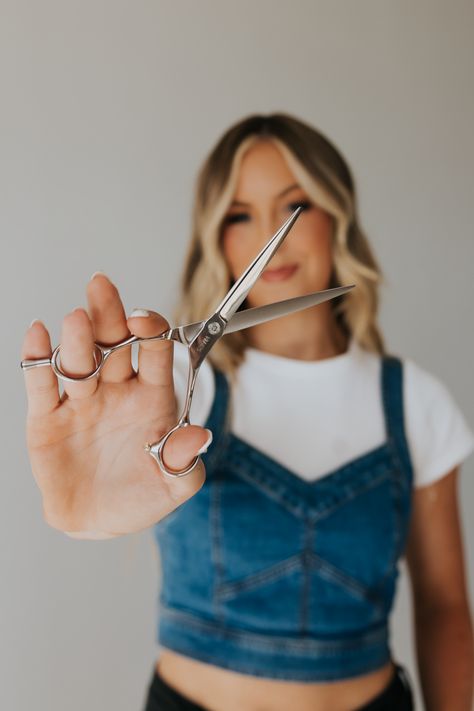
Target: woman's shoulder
<point>438,434</point>
<point>421,384</point>
<point>427,389</point>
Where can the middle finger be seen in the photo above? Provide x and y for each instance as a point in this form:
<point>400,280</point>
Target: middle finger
<point>110,326</point>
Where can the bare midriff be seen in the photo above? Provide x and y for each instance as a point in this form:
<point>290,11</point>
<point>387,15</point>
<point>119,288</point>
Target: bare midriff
<point>219,689</point>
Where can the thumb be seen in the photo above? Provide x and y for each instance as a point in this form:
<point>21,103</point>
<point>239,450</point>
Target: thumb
<point>184,444</point>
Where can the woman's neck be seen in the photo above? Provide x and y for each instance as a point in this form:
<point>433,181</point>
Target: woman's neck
<point>302,336</point>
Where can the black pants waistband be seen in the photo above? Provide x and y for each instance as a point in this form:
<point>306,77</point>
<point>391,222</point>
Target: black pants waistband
<point>397,696</point>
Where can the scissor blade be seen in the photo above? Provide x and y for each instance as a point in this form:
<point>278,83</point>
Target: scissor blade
<point>242,286</point>
<point>260,314</point>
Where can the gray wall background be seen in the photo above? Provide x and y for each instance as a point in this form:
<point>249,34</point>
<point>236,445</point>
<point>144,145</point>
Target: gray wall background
<point>108,108</point>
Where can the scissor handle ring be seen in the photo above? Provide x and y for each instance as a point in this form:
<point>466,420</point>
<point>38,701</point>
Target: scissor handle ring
<point>156,449</point>
<point>99,357</point>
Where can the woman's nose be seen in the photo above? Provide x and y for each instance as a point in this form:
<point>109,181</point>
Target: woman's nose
<point>267,227</point>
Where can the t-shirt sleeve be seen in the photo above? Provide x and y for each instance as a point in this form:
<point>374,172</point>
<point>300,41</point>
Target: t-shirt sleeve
<point>203,390</point>
<point>438,435</point>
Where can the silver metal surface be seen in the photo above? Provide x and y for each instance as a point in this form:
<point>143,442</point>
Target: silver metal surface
<point>201,336</point>
<point>242,286</point>
<point>260,314</point>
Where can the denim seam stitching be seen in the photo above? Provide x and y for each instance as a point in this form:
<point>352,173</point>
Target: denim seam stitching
<point>214,514</point>
<point>310,674</point>
<point>403,459</point>
<point>271,493</point>
<point>276,642</point>
<point>298,510</point>
<point>253,580</point>
<point>346,581</point>
<point>370,484</point>
<point>392,425</point>
<point>260,459</point>
<point>306,586</point>
<point>219,417</point>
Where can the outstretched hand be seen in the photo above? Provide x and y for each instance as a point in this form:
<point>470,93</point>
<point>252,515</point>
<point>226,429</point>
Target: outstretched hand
<point>86,447</point>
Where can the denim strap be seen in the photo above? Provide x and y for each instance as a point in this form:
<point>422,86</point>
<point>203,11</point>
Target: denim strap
<point>218,419</point>
<point>392,394</point>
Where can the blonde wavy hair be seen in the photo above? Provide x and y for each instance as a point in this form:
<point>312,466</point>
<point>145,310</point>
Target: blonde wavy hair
<point>324,175</point>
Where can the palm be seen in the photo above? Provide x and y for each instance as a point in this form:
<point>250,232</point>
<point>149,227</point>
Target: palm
<point>93,463</point>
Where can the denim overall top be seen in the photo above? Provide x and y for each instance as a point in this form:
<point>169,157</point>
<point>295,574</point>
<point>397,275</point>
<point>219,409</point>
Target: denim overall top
<point>265,573</point>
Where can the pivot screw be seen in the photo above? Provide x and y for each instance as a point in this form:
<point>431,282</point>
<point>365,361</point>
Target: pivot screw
<point>214,328</point>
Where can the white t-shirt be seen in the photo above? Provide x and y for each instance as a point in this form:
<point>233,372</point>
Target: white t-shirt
<point>315,416</point>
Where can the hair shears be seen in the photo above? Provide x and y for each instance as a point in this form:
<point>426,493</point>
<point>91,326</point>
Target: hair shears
<point>201,336</point>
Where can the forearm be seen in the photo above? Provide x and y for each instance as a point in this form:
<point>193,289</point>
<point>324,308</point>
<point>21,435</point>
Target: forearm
<point>445,654</point>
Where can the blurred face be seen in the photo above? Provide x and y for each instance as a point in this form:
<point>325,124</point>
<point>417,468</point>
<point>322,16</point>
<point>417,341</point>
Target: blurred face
<point>267,193</point>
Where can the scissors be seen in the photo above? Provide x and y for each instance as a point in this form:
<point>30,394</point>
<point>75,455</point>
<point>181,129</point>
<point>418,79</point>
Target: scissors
<point>201,336</point>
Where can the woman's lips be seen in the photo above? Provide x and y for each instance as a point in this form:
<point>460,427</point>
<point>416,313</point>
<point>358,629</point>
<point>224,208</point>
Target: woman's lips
<point>279,274</point>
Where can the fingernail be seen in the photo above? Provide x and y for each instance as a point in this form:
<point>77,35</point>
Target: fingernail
<point>89,535</point>
<point>140,312</point>
<point>96,274</point>
<point>34,321</point>
<point>206,443</point>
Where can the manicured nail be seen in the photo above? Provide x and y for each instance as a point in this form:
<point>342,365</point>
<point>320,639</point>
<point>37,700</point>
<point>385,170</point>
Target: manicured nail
<point>206,443</point>
<point>34,321</point>
<point>97,273</point>
<point>89,535</point>
<point>140,312</point>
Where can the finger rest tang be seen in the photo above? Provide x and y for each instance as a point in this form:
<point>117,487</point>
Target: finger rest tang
<point>25,364</point>
<point>99,357</point>
<point>102,350</point>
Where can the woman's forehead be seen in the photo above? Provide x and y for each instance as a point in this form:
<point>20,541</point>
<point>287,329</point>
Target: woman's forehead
<point>263,172</point>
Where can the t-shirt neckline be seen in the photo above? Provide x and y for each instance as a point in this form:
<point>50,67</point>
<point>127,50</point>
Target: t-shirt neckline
<point>258,358</point>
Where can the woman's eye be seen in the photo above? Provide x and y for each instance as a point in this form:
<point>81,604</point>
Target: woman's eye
<point>305,204</point>
<point>236,217</point>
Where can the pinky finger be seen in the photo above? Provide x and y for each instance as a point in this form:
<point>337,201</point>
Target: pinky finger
<point>42,388</point>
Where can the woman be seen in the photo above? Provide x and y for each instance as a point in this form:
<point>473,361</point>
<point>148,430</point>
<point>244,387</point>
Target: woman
<point>330,459</point>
